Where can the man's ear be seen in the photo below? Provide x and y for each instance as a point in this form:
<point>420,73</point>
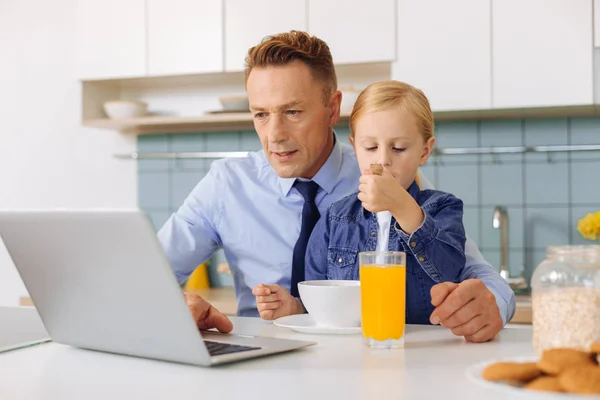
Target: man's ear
<point>335,101</point>
<point>427,150</point>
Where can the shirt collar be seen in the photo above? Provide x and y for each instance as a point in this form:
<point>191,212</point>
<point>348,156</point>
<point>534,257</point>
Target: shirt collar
<point>327,175</point>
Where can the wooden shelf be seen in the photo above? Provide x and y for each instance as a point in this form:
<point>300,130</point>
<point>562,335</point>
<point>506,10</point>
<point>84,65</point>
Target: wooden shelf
<point>175,124</point>
<point>243,121</point>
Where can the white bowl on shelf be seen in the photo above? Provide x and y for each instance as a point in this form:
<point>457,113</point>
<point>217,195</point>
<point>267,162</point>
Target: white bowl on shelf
<point>121,109</point>
<point>349,96</point>
<point>235,103</point>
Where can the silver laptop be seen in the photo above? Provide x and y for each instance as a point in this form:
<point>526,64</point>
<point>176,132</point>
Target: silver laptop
<point>100,281</point>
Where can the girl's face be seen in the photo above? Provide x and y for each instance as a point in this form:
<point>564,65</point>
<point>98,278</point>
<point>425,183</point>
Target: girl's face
<point>390,137</point>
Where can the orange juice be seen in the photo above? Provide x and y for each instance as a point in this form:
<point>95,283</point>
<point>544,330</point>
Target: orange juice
<point>383,300</point>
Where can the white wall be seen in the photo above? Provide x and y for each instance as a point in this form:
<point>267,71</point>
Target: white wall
<point>46,158</point>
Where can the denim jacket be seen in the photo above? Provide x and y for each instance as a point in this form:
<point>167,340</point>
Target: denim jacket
<point>435,252</point>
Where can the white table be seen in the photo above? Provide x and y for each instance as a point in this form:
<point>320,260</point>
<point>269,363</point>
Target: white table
<point>431,365</point>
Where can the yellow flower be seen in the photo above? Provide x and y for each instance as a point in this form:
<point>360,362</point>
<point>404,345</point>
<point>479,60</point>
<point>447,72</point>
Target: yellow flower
<point>589,226</point>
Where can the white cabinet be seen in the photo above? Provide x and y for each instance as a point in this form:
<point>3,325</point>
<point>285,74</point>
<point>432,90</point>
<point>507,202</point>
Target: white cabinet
<point>357,31</point>
<point>444,49</point>
<point>597,23</point>
<point>110,38</point>
<point>542,53</point>
<point>248,22</point>
<point>185,36</point>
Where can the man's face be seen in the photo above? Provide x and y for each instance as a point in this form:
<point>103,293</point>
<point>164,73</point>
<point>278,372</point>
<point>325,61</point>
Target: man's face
<point>293,124</point>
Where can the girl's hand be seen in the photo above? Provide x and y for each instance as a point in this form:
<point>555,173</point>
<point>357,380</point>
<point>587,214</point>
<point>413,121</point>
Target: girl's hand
<point>384,193</point>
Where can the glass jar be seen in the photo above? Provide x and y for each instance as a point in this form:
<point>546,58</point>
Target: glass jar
<point>565,295</point>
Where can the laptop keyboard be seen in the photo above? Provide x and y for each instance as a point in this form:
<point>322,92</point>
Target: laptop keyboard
<point>218,349</point>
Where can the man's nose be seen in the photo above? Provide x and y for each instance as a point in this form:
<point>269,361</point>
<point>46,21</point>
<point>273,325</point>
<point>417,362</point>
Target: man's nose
<point>277,131</point>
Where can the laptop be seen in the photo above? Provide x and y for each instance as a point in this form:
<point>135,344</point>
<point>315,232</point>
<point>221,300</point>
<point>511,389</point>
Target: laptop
<point>100,281</point>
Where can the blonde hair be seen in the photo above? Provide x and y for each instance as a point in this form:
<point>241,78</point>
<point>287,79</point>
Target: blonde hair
<point>386,94</point>
<point>285,48</point>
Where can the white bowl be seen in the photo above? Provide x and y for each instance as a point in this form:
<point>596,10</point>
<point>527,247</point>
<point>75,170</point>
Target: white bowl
<point>119,109</point>
<point>349,97</point>
<point>235,103</point>
<point>332,303</point>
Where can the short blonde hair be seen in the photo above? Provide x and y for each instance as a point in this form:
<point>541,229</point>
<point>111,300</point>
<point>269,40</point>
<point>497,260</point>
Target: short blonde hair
<point>285,48</point>
<point>385,94</point>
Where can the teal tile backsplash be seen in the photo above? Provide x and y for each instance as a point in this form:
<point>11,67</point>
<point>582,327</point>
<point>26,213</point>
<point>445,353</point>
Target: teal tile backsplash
<point>545,195</point>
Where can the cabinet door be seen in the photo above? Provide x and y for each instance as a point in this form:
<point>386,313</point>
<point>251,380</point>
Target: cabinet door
<point>444,49</point>
<point>185,36</point>
<point>542,53</point>
<point>357,31</point>
<point>111,38</point>
<point>248,22</point>
<point>597,23</point>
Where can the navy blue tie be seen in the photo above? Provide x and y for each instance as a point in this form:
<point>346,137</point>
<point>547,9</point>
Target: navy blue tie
<point>310,216</point>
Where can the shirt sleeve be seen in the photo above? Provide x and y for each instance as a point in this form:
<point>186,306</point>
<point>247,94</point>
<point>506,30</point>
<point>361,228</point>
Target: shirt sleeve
<point>439,243</point>
<point>190,236</point>
<point>316,251</point>
<point>478,268</point>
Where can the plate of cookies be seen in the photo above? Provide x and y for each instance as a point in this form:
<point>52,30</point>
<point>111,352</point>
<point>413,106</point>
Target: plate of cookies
<point>558,373</point>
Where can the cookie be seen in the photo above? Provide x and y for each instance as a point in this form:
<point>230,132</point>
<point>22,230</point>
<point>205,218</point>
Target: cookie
<point>376,169</point>
<point>582,379</point>
<point>545,383</point>
<point>511,371</point>
<point>595,348</point>
<point>555,361</point>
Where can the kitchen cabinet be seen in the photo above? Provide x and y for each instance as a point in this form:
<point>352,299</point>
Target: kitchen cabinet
<point>444,49</point>
<point>110,38</point>
<point>542,53</point>
<point>248,22</point>
<point>356,31</point>
<point>184,36</point>
<point>597,23</point>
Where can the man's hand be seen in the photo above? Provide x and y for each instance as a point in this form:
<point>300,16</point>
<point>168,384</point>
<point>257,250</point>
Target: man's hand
<point>274,302</point>
<point>205,315</point>
<point>468,309</point>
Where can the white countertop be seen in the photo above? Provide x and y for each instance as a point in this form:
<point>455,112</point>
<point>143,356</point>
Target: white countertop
<point>432,365</point>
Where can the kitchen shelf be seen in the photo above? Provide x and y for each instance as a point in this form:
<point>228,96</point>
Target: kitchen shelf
<point>243,121</point>
<point>174,124</point>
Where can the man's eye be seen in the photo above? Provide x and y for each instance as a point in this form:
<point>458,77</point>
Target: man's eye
<point>259,115</point>
<point>292,112</point>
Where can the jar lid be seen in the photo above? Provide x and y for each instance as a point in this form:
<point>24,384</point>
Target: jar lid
<point>573,250</point>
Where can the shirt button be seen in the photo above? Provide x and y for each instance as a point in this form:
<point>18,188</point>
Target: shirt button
<point>413,244</point>
<point>340,260</point>
<point>372,233</point>
<point>421,259</point>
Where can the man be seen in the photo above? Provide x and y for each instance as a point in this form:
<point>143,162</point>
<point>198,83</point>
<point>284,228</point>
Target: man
<point>258,208</point>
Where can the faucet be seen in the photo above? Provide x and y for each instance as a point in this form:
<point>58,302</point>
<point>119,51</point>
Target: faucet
<point>500,221</point>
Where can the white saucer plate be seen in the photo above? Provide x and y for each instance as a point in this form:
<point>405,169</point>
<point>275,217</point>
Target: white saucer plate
<point>305,324</point>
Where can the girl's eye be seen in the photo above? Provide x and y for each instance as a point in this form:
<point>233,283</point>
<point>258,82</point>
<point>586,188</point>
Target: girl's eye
<point>398,149</point>
<point>371,148</point>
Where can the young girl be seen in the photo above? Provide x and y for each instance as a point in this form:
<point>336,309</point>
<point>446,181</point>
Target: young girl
<point>391,125</point>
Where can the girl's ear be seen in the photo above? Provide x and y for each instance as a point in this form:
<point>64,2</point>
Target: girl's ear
<point>351,137</point>
<point>427,149</point>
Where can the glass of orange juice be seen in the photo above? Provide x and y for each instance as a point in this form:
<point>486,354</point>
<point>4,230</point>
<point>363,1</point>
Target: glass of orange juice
<point>383,298</point>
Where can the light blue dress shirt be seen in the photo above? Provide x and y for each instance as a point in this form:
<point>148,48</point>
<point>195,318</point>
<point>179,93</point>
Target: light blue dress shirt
<point>242,206</point>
